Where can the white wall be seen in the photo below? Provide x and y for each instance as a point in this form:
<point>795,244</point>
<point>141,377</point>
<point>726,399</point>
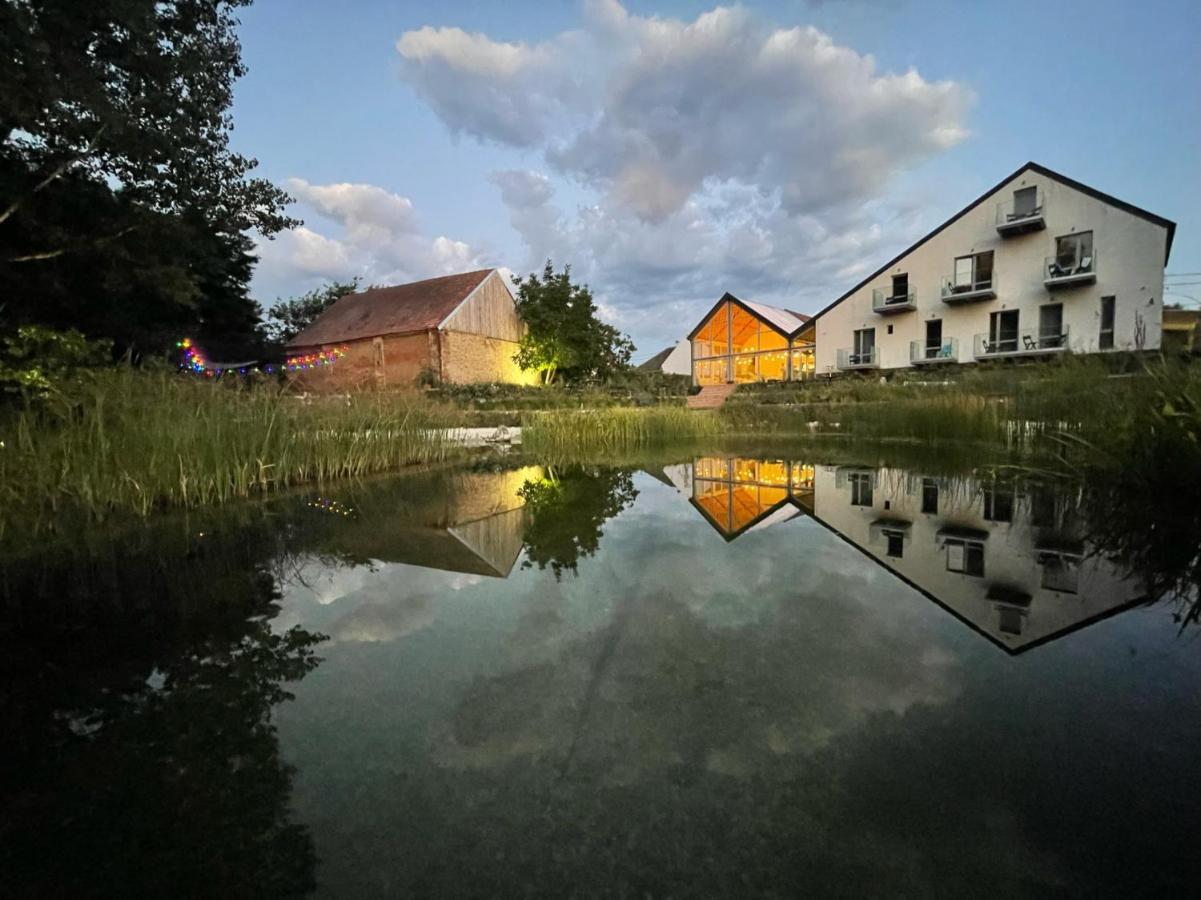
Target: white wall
<point>679,361</point>
<point>1129,266</point>
<point>1010,555</point>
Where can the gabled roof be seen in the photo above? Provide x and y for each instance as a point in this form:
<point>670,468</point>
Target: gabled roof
<point>1028,167</point>
<point>403,309</point>
<point>784,321</point>
<point>655,362</point>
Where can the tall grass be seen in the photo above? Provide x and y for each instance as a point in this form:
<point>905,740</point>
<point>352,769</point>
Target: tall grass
<point>615,429</point>
<point>134,441</point>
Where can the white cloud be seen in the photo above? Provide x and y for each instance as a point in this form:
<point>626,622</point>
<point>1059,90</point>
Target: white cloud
<point>716,154</point>
<point>379,238</point>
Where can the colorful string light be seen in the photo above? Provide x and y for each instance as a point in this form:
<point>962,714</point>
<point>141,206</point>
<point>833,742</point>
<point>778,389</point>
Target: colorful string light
<point>334,507</point>
<point>314,360</point>
<point>194,361</point>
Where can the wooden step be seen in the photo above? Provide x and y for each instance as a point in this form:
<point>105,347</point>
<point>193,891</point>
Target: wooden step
<point>711,396</point>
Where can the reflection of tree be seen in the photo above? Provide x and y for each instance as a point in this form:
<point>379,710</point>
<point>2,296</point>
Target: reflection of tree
<point>566,512</point>
<point>138,695</point>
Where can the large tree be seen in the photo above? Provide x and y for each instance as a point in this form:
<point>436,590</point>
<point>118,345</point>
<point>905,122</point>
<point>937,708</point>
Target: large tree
<point>564,335</point>
<point>123,210</point>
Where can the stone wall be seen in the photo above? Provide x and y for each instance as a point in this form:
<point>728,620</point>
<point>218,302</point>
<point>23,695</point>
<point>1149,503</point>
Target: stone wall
<point>475,359</point>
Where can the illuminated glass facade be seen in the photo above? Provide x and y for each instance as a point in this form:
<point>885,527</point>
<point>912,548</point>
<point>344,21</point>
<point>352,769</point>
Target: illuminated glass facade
<point>734,345</point>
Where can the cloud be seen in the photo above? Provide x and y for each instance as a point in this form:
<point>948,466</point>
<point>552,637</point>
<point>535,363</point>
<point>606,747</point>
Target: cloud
<point>379,238</point>
<point>673,105</point>
<point>715,154</point>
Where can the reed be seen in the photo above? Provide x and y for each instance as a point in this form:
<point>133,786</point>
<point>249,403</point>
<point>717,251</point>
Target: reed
<point>134,441</point>
<point>616,429</point>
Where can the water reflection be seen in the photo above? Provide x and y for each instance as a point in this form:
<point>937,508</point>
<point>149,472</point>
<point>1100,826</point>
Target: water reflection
<point>721,677</point>
<point>140,679</point>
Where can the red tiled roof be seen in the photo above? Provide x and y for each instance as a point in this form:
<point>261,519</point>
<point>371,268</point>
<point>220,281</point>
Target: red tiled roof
<point>406,308</point>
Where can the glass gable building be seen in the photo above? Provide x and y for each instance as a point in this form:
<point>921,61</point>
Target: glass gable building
<point>740,341</point>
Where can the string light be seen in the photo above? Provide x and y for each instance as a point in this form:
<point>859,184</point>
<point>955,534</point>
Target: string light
<point>314,360</point>
<point>194,361</point>
<point>333,507</point>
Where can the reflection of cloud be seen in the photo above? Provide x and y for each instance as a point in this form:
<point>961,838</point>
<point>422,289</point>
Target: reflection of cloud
<point>387,620</point>
<point>775,646</point>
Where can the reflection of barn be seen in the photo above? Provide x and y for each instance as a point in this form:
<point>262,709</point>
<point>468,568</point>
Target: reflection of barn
<point>737,495</point>
<point>470,522</point>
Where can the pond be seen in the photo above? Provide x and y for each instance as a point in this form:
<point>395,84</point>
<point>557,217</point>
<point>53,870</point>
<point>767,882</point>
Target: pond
<point>702,675</point>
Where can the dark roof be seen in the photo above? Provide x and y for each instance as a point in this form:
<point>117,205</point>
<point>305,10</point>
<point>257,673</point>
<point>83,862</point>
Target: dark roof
<point>406,308</point>
<point>656,361</point>
<point>1033,167</point>
<point>775,316</point>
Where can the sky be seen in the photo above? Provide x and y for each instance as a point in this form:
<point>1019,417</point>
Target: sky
<point>671,151</point>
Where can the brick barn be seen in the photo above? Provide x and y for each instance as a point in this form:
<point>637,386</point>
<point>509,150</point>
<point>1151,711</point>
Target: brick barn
<point>460,328</point>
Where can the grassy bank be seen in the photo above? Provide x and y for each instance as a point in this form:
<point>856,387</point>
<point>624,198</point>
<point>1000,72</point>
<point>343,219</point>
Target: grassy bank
<point>582,432</point>
<point>130,441</point>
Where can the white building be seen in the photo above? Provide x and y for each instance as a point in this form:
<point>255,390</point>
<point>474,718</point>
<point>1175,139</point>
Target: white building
<point>675,360</point>
<point>1040,264</point>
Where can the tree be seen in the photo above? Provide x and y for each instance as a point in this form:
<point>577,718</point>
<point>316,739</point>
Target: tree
<point>566,513</point>
<point>288,318</point>
<point>564,336</point>
<point>123,210</point>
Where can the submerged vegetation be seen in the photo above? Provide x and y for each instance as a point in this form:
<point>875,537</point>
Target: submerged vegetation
<point>136,441</point>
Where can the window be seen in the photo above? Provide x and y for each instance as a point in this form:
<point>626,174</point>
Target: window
<point>900,287</point>
<point>1003,331</point>
<point>865,346</point>
<point>1060,573</point>
<point>1025,202</point>
<point>934,348</point>
<point>890,329</point>
<point>1073,254</point>
<point>1107,309</point>
<point>930,496</point>
<point>998,504</point>
<point>1010,620</point>
<point>1050,326</point>
<point>896,544</point>
<point>861,489</point>
<point>966,557</point>
<point>973,272</point>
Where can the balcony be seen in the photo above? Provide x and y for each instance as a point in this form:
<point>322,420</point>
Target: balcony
<point>1018,216</point>
<point>924,354</point>
<point>1066,272</point>
<point>1027,342</point>
<point>867,359</point>
<point>886,303</point>
<point>969,292</point>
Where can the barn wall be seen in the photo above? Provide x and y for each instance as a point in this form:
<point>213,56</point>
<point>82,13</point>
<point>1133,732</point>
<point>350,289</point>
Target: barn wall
<point>404,357</point>
<point>489,311</point>
<point>474,359</point>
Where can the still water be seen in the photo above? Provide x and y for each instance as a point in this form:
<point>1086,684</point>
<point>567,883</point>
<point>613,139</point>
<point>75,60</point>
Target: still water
<point>707,676</point>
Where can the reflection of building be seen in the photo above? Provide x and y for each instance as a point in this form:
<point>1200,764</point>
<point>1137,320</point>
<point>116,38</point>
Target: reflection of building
<point>470,522</point>
<point>1011,563</point>
<point>737,495</point>
<point>739,341</point>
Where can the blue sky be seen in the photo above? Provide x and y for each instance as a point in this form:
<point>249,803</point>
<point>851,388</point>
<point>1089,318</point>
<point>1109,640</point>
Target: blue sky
<point>672,151</point>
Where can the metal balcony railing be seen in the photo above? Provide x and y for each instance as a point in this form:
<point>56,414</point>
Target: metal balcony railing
<point>1025,342</point>
<point>1018,214</point>
<point>924,352</point>
<point>885,302</point>
<point>965,292</point>
<point>1061,271</point>
<point>863,359</point>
